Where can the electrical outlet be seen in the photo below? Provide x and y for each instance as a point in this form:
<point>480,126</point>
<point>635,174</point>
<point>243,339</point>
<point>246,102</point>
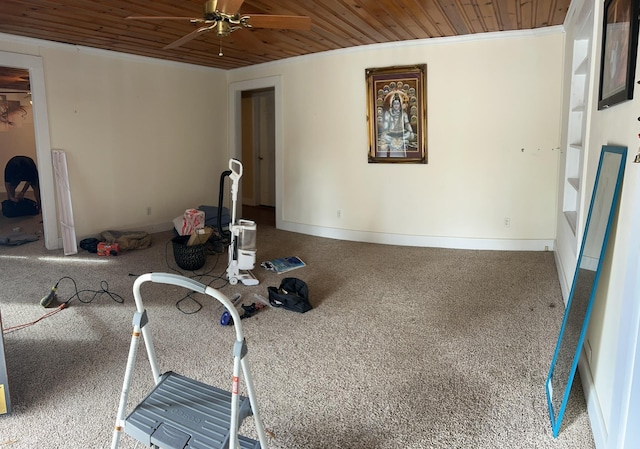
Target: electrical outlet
<point>507,222</point>
<point>339,213</point>
<point>149,210</point>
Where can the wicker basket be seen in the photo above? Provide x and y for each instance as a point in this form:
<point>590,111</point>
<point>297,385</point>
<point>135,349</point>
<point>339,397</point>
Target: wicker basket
<point>188,257</point>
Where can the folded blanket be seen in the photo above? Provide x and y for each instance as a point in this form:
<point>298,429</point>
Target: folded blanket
<point>127,240</point>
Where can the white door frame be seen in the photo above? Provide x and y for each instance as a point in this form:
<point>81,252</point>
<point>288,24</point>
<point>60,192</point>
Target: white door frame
<point>235,127</point>
<point>43,144</point>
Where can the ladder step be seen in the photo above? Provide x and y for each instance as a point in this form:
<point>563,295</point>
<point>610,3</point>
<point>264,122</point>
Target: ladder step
<point>183,413</point>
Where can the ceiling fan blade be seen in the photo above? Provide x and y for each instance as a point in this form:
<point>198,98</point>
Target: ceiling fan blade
<point>191,19</point>
<point>247,38</point>
<point>184,39</point>
<point>230,7</point>
<point>277,21</point>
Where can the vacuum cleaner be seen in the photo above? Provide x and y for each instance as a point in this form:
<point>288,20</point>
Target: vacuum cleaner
<point>242,235</point>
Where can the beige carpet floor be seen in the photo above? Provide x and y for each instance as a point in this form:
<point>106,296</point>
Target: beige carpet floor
<point>405,347</point>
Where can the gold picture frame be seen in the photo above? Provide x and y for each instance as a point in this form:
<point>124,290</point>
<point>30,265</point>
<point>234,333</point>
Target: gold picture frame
<point>397,114</point>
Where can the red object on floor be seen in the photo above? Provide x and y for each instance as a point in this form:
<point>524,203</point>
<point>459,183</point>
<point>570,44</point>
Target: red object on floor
<point>108,249</point>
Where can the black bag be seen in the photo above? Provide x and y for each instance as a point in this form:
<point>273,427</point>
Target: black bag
<point>293,294</point>
<point>90,244</point>
<point>22,208</point>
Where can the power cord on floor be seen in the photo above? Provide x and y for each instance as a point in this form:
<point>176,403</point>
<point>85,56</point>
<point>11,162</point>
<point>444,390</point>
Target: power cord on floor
<point>104,290</point>
<point>200,277</point>
<point>7,330</point>
<point>52,297</point>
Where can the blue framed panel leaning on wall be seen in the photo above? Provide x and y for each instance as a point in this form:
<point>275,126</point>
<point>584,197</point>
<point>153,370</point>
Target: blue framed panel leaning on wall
<point>606,191</point>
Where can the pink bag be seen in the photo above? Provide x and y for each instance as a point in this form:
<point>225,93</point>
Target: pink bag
<point>193,219</point>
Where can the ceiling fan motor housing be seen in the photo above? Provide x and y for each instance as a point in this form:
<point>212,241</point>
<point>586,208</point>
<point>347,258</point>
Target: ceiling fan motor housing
<point>211,11</point>
<point>210,6</point>
<point>223,21</point>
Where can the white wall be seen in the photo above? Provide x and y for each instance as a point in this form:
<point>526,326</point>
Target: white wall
<point>142,133</point>
<point>493,137</point>
<point>138,133</point>
<point>615,126</point>
<point>614,323</point>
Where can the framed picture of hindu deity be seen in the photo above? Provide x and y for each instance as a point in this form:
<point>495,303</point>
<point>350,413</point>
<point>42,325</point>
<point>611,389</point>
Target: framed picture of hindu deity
<point>619,49</point>
<point>396,114</point>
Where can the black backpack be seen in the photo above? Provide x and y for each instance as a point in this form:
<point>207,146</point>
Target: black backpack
<point>22,208</point>
<point>293,294</point>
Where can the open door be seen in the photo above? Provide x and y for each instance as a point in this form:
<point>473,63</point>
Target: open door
<point>33,64</point>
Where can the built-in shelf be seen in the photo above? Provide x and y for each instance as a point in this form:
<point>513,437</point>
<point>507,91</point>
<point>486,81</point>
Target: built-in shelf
<point>574,182</point>
<point>572,218</point>
<point>583,67</point>
<point>576,132</point>
<point>579,82</point>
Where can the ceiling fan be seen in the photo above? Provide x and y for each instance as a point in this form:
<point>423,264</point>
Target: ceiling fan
<point>223,18</point>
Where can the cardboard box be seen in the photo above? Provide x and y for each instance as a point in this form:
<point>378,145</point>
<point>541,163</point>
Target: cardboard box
<point>200,236</point>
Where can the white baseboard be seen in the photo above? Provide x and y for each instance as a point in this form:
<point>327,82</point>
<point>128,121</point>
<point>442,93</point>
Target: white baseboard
<point>419,240</point>
<point>387,239</point>
<point>598,427</point>
<point>151,229</point>
<point>596,419</point>
<point>564,287</point>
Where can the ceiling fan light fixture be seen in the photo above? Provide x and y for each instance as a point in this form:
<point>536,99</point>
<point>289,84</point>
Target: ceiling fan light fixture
<point>223,29</point>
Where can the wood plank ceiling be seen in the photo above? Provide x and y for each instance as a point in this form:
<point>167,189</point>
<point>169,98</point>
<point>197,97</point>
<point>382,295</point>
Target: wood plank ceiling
<point>335,24</point>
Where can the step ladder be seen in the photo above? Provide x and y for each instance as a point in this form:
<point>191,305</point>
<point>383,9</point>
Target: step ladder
<point>183,413</point>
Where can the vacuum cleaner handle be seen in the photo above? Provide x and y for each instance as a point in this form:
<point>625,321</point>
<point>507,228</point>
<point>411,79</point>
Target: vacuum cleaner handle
<point>236,173</point>
<point>236,169</point>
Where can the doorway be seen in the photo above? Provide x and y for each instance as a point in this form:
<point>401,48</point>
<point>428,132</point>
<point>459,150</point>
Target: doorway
<point>258,155</point>
<point>255,138</point>
<point>17,138</point>
<point>33,66</point>
<point>258,146</point>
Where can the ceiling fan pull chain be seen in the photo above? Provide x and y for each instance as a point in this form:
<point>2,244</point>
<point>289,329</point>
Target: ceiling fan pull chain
<point>220,52</point>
